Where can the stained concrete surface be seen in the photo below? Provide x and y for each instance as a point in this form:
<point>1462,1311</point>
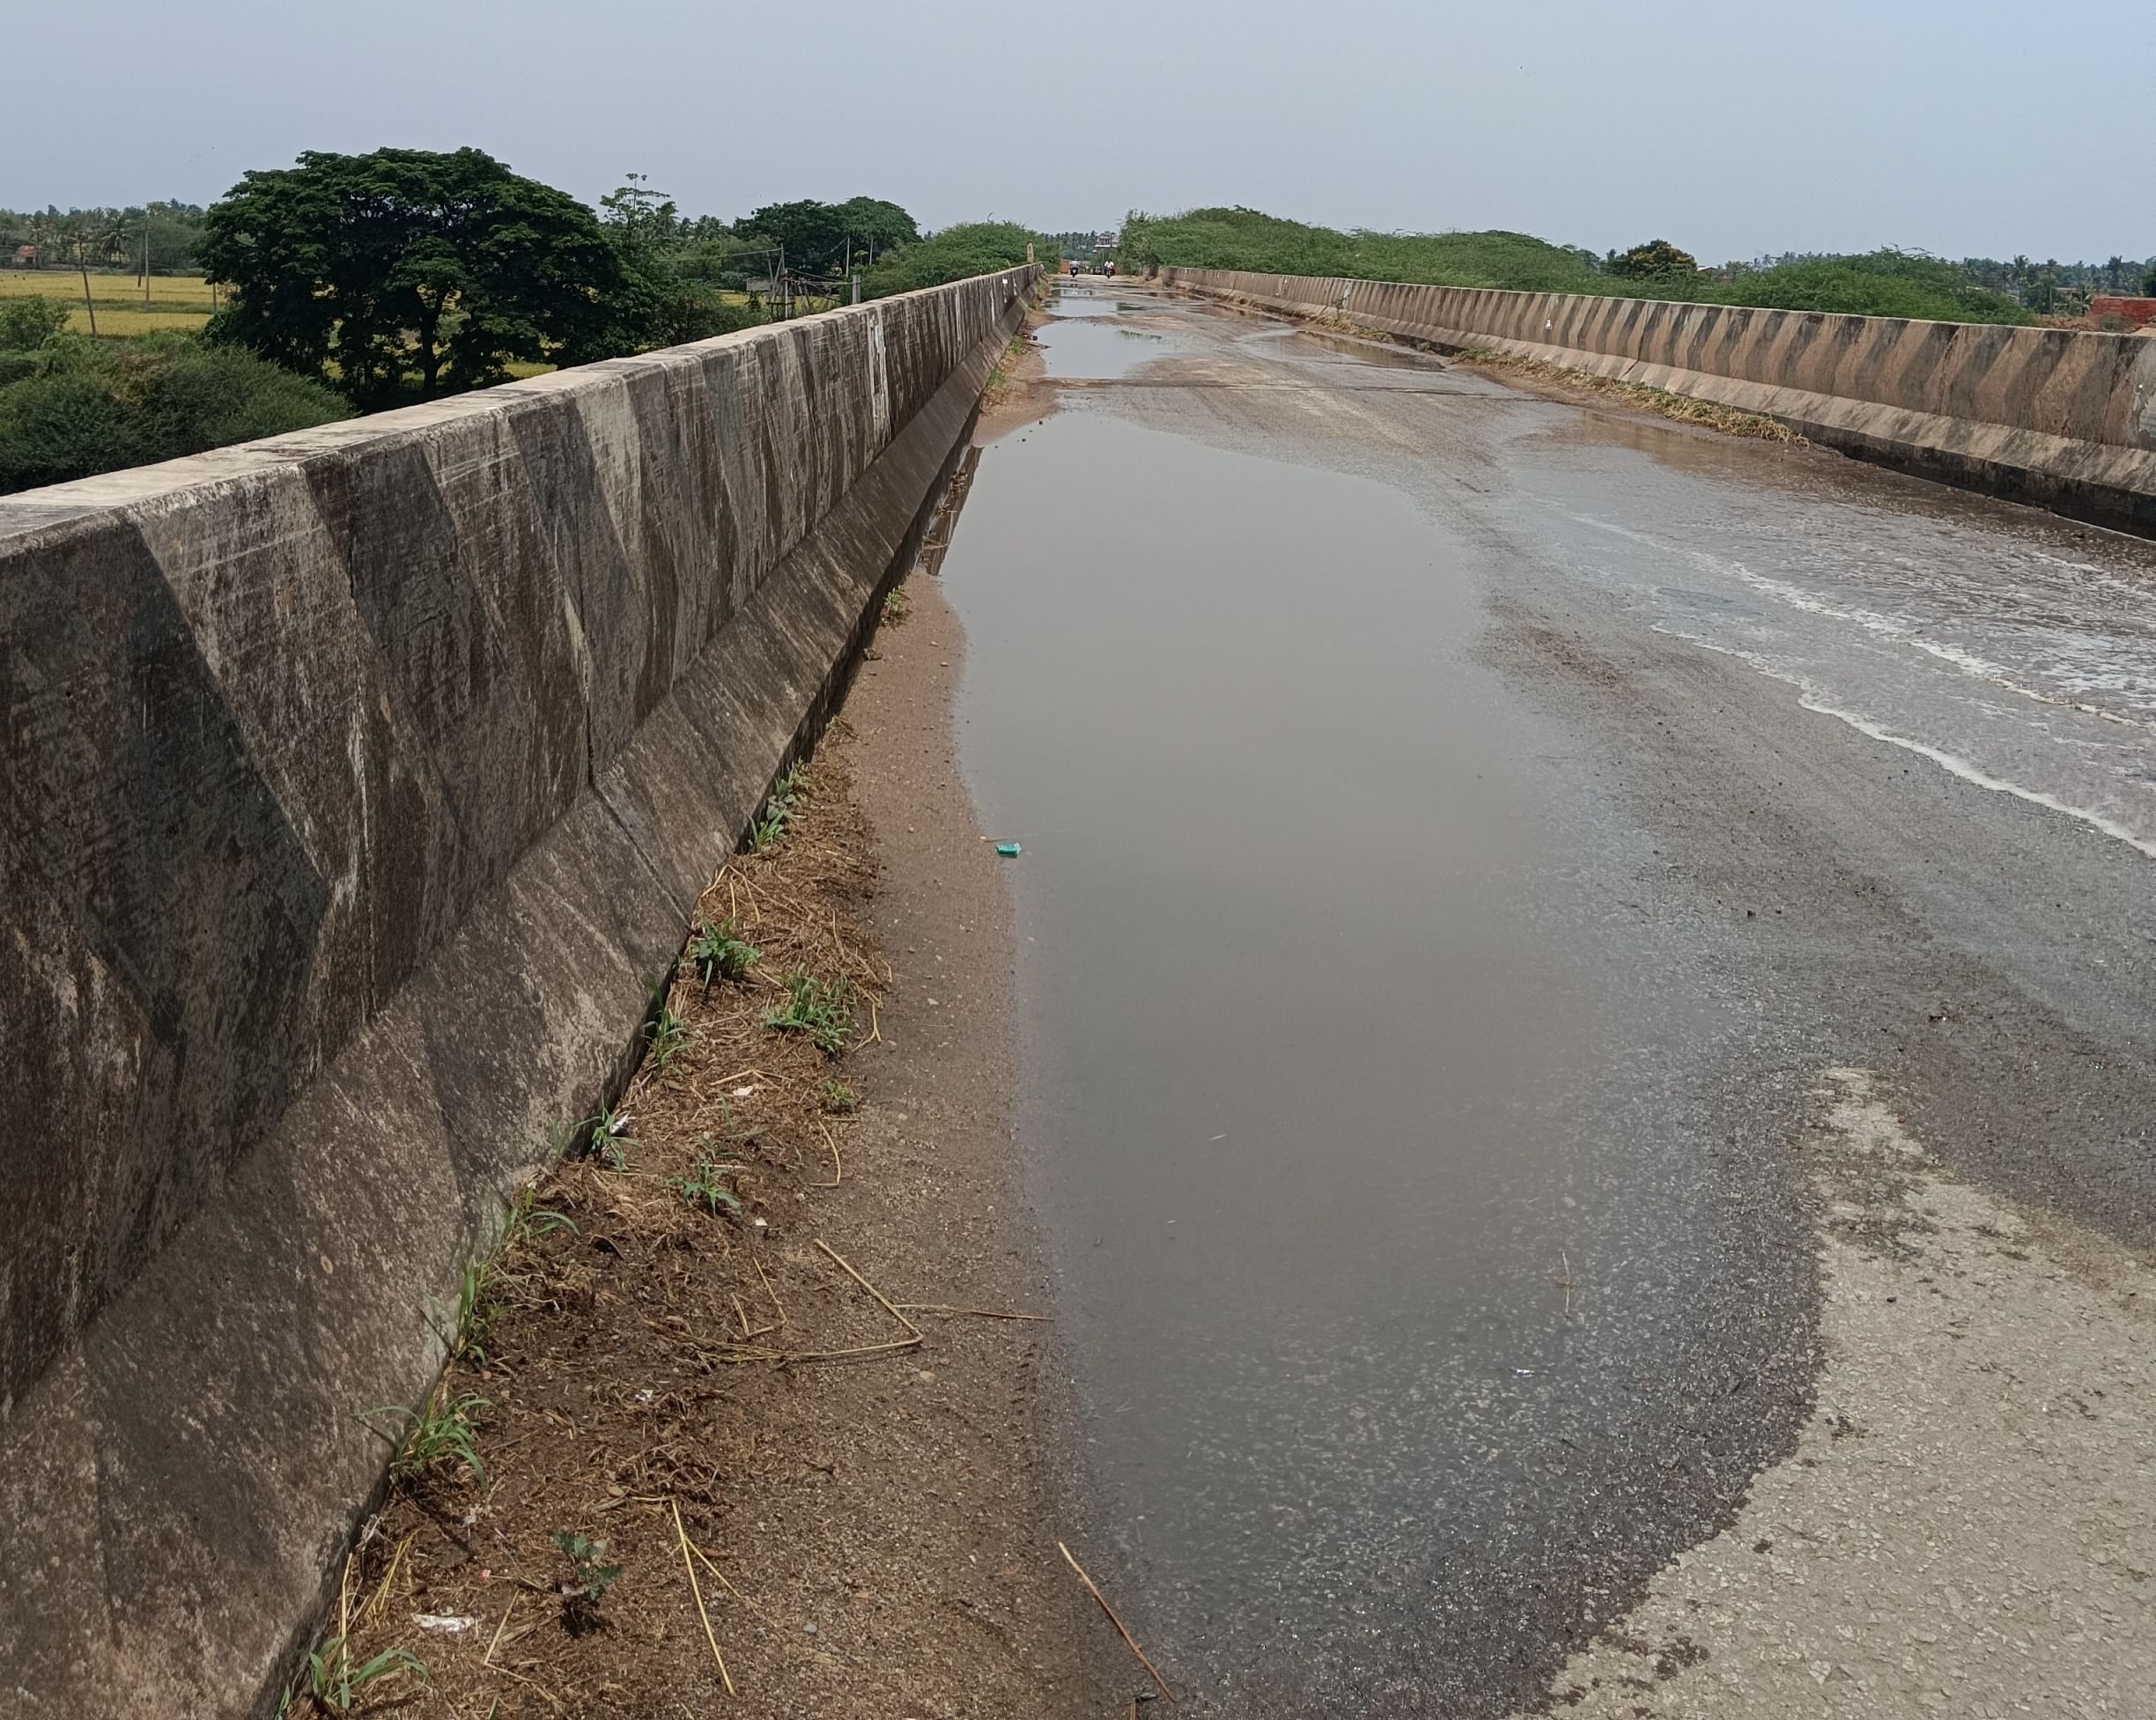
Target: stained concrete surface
<point>1460,830</point>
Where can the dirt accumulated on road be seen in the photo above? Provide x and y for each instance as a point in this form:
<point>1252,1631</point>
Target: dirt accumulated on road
<point>747,1383</point>
<point>1019,390</point>
<point>1966,1527</point>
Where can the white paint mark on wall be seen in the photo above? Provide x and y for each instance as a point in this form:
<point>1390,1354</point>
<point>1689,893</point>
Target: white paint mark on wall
<point>879,379</point>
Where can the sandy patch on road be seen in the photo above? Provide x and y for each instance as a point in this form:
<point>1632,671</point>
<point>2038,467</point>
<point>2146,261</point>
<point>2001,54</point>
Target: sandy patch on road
<point>1968,1524</point>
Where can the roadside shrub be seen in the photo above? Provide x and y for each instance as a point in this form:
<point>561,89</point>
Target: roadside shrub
<point>63,423</point>
<point>89,406</point>
<point>971,247</point>
<point>30,321</point>
<point>1876,283</point>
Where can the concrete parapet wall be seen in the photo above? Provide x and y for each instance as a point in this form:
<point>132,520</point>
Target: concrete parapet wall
<point>2058,417</point>
<point>357,782</point>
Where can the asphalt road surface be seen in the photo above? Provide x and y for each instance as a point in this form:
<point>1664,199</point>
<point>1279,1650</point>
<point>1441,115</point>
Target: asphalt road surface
<point>1588,990</point>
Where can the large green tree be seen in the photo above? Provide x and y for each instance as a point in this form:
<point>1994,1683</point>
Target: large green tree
<point>1657,259</point>
<point>688,304</point>
<point>818,237</point>
<point>410,273</point>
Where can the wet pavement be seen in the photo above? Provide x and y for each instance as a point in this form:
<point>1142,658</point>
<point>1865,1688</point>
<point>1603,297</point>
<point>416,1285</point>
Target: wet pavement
<point>1459,828</point>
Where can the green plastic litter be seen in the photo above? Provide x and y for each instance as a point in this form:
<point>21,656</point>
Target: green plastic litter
<point>1009,850</point>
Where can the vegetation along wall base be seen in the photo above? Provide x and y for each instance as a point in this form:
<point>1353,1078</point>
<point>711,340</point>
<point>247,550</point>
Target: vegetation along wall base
<point>358,782</point>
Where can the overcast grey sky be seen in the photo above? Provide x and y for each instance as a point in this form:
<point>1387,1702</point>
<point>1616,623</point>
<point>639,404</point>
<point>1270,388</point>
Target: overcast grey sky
<point>1732,129</point>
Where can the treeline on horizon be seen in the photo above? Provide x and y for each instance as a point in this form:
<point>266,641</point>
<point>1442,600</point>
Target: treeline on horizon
<point>107,239</point>
<point>727,252</point>
<point>1887,282</point>
<point>360,283</point>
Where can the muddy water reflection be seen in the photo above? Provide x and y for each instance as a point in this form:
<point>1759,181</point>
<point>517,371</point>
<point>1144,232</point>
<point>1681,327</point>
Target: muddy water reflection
<point>1086,339</point>
<point>1411,1125</point>
<point>1313,1066</point>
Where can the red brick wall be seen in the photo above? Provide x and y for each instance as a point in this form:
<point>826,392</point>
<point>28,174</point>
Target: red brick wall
<point>2137,311</point>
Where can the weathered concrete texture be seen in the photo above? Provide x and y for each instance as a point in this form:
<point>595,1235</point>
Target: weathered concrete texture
<point>2057,417</point>
<point>357,782</point>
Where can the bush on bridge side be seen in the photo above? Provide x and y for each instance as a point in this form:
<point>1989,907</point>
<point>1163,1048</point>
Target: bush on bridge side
<point>971,247</point>
<point>74,407</point>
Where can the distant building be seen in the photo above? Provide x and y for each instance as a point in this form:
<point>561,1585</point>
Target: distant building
<point>2135,313</point>
<point>26,256</point>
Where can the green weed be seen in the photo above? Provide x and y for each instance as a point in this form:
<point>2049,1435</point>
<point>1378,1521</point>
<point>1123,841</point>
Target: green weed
<point>823,1010</point>
<point>785,797</point>
<point>528,1220</point>
<point>838,1098</point>
<point>590,1577</point>
<point>335,1679</point>
<point>718,952</point>
<point>666,1034</point>
<point>707,1186</point>
<point>610,1138</point>
<point>476,1310</point>
<point>468,1328</point>
<point>440,1431</point>
<point>896,606</point>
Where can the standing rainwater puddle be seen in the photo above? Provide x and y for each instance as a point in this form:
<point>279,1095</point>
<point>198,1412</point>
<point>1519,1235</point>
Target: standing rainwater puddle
<point>1323,1114</point>
<point>1084,339</point>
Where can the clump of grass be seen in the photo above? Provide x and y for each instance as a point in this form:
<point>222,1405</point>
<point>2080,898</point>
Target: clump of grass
<point>590,1576</point>
<point>610,1139</point>
<point>440,1431</point>
<point>720,952</point>
<point>335,1679</point>
<point>785,797</point>
<point>838,1098</point>
<point>468,1327</point>
<point>472,1327</point>
<point>527,1218</point>
<point>822,1010</point>
<point>896,606</point>
<point>666,1034</point>
<point>706,1186</point>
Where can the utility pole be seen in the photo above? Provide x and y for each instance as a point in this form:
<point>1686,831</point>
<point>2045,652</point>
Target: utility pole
<point>146,256</point>
<point>82,261</point>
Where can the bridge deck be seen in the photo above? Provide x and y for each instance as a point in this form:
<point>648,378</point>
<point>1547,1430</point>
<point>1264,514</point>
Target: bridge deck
<point>1580,973</point>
